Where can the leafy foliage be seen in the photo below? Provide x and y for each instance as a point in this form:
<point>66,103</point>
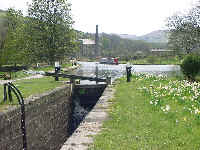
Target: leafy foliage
<point>50,28</point>
<point>3,29</point>
<point>184,30</point>
<point>191,66</point>
<point>12,51</point>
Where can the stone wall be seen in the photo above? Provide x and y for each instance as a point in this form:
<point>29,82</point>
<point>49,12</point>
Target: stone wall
<point>47,118</point>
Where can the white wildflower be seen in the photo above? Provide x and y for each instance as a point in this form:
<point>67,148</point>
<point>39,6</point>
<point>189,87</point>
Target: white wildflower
<point>167,108</point>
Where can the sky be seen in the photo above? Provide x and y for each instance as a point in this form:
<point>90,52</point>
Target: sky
<point>136,17</point>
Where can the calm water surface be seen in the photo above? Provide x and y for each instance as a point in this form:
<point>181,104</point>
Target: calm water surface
<point>116,71</point>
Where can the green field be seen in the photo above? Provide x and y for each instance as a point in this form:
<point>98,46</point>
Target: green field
<point>32,87</point>
<point>152,113</point>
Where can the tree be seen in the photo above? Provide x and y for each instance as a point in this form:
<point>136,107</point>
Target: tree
<point>3,27</point>
<point>113,45</point>
<point>50,27</point>
<point>12,51</point>
<point>185,30</point>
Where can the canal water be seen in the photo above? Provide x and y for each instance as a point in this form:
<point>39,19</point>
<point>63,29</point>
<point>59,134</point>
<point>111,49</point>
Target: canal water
<point>117,71</point>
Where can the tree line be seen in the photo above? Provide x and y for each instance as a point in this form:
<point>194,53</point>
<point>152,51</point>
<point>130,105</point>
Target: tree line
<point>44,35</point>
<point>112,45</point>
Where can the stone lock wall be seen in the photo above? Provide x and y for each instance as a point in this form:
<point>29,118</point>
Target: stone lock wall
<point>47,118</point>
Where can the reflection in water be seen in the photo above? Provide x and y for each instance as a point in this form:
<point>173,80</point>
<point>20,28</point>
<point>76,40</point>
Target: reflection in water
<point>89,69</point>
<point>116,71</point>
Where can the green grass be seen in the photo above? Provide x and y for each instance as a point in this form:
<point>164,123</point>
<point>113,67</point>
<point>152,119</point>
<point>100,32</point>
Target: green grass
<point>152,113</point>
<point>67,65</point>
<point>15,75</point>
<point>32,87</point>
<point>48,68</point>
<point>51,68</point>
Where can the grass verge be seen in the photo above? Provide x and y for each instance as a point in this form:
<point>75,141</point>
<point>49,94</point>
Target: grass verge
<point>32,87</point>
<point>152,113</point>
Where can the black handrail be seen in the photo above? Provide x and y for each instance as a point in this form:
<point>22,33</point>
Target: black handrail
<point>8,89</point>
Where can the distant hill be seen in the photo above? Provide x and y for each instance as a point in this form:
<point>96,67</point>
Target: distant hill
<point>128,36</point>
<point>158,36</point>
<point>2,12</point>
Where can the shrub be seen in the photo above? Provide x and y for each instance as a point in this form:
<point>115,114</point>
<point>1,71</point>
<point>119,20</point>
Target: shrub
<point>191,66</point>
<point>151,59</point>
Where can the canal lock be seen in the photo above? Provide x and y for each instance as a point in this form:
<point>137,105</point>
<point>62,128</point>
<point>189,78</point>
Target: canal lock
<point>84,98</point>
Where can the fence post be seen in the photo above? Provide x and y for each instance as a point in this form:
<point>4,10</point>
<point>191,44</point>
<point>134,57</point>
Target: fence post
<point>128,72</point>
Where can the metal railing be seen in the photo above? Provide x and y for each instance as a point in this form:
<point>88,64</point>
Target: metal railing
<point>9,88</point>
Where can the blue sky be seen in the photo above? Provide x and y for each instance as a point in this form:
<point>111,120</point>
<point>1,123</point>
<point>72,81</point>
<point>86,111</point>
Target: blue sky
<point>118,16</point>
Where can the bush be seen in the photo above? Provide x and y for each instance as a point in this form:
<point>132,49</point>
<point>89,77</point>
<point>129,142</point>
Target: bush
<point>191,66</point>
<point>151,59</point>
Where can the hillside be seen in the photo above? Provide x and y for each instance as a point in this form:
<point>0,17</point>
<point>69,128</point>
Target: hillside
<point>158,36</point>
<point>2,13</point>
<point>128,36</point>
